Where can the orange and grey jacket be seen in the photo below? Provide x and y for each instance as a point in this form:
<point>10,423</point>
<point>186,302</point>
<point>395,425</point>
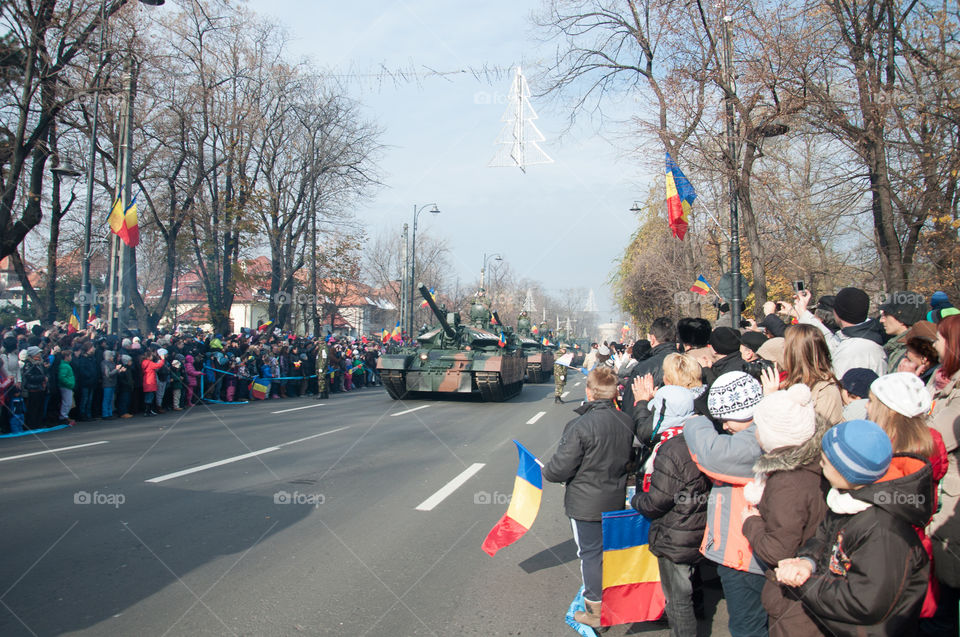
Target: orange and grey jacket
<point>728,461</point>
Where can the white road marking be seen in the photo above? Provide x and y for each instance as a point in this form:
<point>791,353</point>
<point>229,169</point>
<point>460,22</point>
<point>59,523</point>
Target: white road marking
<point>283,411</point>
<point>577,384</point>
<point>564,394</point>
<point>40,453</point>
<point>450,487</point>
<point>536,418</point>
<point>252,454</point>
<point>400,413</point>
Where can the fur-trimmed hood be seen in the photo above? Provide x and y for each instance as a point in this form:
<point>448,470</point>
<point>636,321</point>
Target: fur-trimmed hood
<point>789,458</point>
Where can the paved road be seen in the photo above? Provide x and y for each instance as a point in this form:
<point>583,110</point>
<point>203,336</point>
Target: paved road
<point>288,517</point>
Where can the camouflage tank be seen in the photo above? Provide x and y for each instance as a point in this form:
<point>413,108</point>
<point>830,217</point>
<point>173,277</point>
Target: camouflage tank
<point>455,359</point>
<point>539,356</point>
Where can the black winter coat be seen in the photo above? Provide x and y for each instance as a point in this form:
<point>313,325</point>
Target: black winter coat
<point>86,370</point>
<point>592,459</point>
<point>871,569</point>
<point>676,503</point>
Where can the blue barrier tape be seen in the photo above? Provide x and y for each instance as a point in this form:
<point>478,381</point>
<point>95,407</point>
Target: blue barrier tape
<point>30,432</point>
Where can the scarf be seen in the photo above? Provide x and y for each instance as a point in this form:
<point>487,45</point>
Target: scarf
<point>940,380</point>
<point>666,435</point>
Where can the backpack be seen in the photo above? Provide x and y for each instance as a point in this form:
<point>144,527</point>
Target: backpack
<point>33,375</point>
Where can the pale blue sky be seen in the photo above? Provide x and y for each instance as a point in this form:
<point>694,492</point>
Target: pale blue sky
<point>562,223</point>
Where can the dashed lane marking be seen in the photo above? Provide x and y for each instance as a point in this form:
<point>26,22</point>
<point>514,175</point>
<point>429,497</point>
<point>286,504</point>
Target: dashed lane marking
<point>40,453</point>
<point>252,454</point>
<point>400,413</point>
<point>450,487</point>
<point>536,418</point>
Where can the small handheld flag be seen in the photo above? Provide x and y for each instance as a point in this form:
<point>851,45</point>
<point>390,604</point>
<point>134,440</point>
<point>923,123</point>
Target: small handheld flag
<point>396,333</point>
<point>433,297</point>
<point>700,286</point>
<point>524,504</point>
<point>680,197</point>
<point>503,340</point>
<point>631,574</point>
<point>74,322</point>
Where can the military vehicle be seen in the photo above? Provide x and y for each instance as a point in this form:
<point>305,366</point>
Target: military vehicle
<point>455,359</point>
<point>539,356</point>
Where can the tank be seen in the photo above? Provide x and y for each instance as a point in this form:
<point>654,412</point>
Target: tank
<point>539,356</point>
<point>453,358</point>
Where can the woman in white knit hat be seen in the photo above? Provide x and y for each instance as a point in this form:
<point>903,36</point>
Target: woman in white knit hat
<point>787,494</point>
<point>899,403</point>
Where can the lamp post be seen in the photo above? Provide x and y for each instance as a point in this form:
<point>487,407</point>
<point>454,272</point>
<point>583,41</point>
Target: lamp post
<point>483,270</point>
<point>85,300</point>
<point>413,257</point>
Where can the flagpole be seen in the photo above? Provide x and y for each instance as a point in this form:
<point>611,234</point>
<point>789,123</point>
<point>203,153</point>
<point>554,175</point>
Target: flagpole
<point>729,90</point>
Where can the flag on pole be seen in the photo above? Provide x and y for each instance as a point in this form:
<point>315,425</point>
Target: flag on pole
<point>680,196</point>
<point>73,323</point>
<point>524,504</point>
<point>92,314</point>
<point>396,333</point>
<point>546,341</point>
<point>385,335</point>
<point>700,286</point>
<point>631,574</point>
<point>534,330</point>
<point>124,224</point>
<point>265,326</point>
<point>433,297</point>
<point>503,340</point>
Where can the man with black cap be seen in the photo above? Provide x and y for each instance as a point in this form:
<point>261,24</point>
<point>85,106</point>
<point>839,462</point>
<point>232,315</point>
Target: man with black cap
<point>897,314</point>
<point>859,342</point>
<point>725,342</point>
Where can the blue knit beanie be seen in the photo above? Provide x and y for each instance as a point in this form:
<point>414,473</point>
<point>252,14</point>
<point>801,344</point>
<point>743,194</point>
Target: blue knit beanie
<point>859,450</point>
<point>939,300</point>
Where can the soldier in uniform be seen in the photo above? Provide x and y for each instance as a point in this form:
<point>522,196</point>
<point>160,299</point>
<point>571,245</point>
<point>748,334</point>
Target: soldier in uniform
<point>323,381</point>
<point>560,373</point>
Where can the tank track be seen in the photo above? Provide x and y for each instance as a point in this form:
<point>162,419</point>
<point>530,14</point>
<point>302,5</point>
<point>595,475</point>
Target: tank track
<point>535,373</point>
<point>492,388</point>
<point>394,383</point>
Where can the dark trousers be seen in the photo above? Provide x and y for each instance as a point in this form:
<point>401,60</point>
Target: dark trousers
<point>677,582</point>
<point>945,620</point>
<point>35,408</point>
<point>85,405</point>
<point>123,401</point>
<point>742,590</point>
<point>589,539</point>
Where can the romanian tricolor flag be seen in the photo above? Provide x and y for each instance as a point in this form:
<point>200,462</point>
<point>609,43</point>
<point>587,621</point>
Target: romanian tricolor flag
<point>503,340</point>
<point>92,314</point>
<point>385,335</point>
<point>680,196</point>
<point>396,333</point>
<point>545,341</point>
<point>524,504</point>
<point>700,286</point>
<point>123,223</point>
<point>265,326</point>
<point>631,575</point>
<point>433,296</point>
<point>534,330</point>
<point>73,323</point>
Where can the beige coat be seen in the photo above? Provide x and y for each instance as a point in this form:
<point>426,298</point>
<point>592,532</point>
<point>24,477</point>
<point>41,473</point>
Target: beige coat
<point>827,401</point>
<point>944,529</point>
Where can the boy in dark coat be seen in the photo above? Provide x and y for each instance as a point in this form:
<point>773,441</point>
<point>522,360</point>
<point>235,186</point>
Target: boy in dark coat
<point>591,459</point>
<point>865,572</point>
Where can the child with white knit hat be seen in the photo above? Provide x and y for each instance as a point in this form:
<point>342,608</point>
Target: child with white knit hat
<point>787,495</point>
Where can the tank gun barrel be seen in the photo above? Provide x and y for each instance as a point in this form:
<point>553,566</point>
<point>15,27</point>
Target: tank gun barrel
<point>425,293</point>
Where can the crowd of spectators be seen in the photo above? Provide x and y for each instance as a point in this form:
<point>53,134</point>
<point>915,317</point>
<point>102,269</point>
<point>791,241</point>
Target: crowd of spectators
<point>54,376</point>
<point>808,461</point>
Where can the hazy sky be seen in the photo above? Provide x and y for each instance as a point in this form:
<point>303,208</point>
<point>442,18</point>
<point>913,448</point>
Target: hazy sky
<point>563,224</point>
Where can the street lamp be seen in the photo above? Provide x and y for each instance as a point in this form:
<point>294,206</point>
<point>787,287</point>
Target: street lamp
<point>636,209</point>
<point>413,256</point>
<point>91,168</point>
<point>483,270</point>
